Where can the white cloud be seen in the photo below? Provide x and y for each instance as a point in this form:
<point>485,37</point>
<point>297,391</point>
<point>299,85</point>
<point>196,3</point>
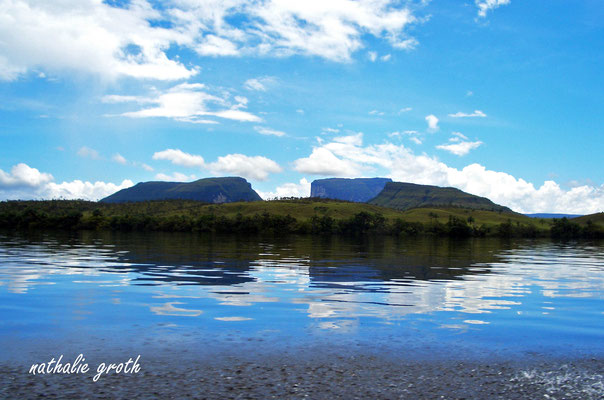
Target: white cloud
<point>118,158</point>
<point>386,57</point>
<point>260,84</point>
<point>328,29</point>
<point>82,189</point>
<point>212,45</point>
<point>459,135</point>
<point>23,175</point>
<point>88,36</point>
<point>268,131</point>
<point>404,110</point>
<point>415,140</point>
<point>179,157</point>
<point>401,164</point>
<point>145,167</point>
<point>432,122</point>
<point>255,168</point>
<point>300,111</point>
<point>476,113</point>
<point>87,152</point>
<point>408,133</point>
<point>376,112</point>
<point>322,161</point>
<point>188,102</point>
<point>485,6</point>
<point>330,130</point>
<point>372,56</point>
<point>461,148</point>
<point>97,38</point>
<point>175,177</point>
<point>301,189</point>
<point>251,167</point>
<point>25,182</point>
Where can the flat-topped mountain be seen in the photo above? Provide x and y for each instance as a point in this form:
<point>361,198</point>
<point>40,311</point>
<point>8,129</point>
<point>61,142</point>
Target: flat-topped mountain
<point>404,196</point>
<point>209,190</point>
<point>359,190</point>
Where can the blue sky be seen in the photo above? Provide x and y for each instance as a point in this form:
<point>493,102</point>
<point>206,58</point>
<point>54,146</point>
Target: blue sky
<point>500,98</point>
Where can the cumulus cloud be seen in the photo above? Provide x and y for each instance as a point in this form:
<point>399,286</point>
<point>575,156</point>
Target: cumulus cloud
<point>324,160</point>
<point>256,167</point>
<point>476,113</point>
<point>22,175</point>
<point>89,36</point>
<point>24,182</point>
<point>251,167</point>
<point>432,122</point>
<point>300,189</point>
<point>179,157</point>
<point>212,45</point>
<point>402,164</point>
<point>484,6</point>
<point>82,189</point>
<point>268,131</point>
<point>328,29</point>
<point>134,39</point>
<point>187,102</point>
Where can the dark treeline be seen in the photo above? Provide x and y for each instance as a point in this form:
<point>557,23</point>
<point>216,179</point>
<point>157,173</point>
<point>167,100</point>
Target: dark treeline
<point>82,215</point>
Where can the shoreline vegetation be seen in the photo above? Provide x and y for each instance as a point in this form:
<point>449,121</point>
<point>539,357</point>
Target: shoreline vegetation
<point>293,215</point>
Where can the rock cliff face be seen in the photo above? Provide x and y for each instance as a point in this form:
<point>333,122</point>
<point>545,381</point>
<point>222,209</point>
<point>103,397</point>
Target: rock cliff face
<point>208,190</point>
<point>404,196</point>
<point>359,190</point>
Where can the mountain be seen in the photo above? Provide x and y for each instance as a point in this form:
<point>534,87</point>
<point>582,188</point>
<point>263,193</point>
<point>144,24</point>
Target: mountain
<point>404,196</point>
<point>597,218</point>
<point>552,215</point>
<point>209,190</point>
<point>359,190</point>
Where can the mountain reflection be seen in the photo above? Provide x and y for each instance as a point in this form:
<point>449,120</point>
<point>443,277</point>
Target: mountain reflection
<point>335,278</point>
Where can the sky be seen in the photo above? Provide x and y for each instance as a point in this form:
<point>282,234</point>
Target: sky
<point>499,98</point>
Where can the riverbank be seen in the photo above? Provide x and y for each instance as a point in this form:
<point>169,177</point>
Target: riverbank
<point>325,376</point>
<point>294,216</point>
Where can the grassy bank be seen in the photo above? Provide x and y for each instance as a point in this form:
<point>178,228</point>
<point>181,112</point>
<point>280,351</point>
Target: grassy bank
<point>315,216</point>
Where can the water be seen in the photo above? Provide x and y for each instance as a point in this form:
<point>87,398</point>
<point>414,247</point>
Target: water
<point>86,292</point>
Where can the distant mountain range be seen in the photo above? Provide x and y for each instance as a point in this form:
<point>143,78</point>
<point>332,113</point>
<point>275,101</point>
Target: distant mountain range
<point>376,191</point>
<point>404,196</point>
<point>550,215</point>
<point>359,190</point>
<point>208,190</point>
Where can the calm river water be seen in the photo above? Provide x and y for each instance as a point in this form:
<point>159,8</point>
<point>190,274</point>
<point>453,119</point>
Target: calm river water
<point>99,292</point>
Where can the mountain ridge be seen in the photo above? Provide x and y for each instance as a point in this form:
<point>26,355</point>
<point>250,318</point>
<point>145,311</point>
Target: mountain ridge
<point>405,196</point>
<point>208,190</point>
<point>358,190</point>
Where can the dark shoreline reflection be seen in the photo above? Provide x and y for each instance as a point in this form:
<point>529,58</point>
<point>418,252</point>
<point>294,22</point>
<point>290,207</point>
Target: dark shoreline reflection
<point>145,287</point>
<point>189,259</point>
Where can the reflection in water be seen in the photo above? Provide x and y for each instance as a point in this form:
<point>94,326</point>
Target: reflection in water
<point>293,283</point>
